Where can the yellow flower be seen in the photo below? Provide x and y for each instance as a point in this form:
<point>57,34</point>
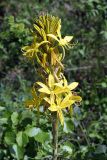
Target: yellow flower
<point>64,87</point>
<point>63,42</point>
<point>35,102</point>
<point>56,88</point>
<point>32,50</point>
<point>59,105</point>
<point>47,89</point>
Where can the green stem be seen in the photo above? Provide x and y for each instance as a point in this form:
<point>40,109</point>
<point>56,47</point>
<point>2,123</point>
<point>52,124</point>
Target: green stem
<point>85,136</point>
<point>55,135</point>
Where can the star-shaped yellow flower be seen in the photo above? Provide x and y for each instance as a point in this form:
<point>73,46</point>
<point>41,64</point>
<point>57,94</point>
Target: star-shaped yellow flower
<point>60,105</point>
<point>47,89</point>
<point>63,42</point>
<point>64,87</point>
<point>33,49</point>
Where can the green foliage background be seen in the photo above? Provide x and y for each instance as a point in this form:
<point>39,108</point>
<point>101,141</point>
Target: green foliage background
<point>84,136</point>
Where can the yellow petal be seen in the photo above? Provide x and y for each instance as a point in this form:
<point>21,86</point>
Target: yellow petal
<point>60,114</point>
<point>58,100</point>
<point>76,98</point>
<point>47,100</point>
<point>68,38</point>
<point>50,80</point>
<point>66,102</point>
<point>52,98</point>
<point>60,90</point>
<point>42,84</point>
<point>73,85</point>
<point>53,108</point>
<point>58,85</point>
<point>53,36</point>
<point>44,90</point>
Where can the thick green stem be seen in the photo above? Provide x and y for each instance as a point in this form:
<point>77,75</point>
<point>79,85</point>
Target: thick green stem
<point>55,135</point>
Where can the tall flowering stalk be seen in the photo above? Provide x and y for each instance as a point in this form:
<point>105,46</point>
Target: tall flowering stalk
<point>53,92</point>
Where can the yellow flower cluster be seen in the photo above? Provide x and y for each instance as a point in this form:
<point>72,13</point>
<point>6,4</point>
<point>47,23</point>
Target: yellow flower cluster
<point>45,50</point>
<point>59,95</point>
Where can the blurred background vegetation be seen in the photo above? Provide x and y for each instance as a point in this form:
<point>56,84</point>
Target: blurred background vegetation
<point>84,136</point>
